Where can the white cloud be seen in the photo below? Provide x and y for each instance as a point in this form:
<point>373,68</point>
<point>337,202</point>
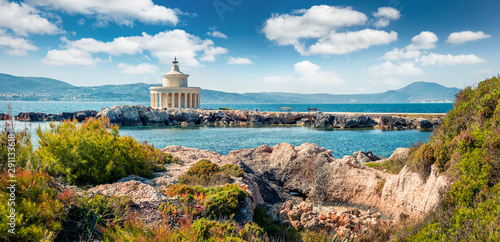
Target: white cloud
<point>388,69</point>
<point>15,46</point>
<point>465,36</point>
<point>69,57</point>
<point>385,15</point>
<point>440,60</point>
<point>401,54</point>
<point>217,34</point>
<point>23,19</point>
<point>123,12</point>
<point>318,22</point>
<point>424,41</point>
<point>342,43</point>
<point>164,46</point>
<point>143,68</point>
<point>119,46</point>
<point>310,74</point>
<point>212,52</point>
<point>239,61</point>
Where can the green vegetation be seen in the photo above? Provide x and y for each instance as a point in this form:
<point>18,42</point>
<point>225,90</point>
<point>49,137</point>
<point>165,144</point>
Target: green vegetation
<point>39,212</point>
<point>388,166</point>
<point>380,186</point>
<point>206,173</point>
<point>225,202</point>
<point>23,148</point>
<point>466,148</point>
<point>231,170</point>
<point>93,153</point>
<point>277,232</point>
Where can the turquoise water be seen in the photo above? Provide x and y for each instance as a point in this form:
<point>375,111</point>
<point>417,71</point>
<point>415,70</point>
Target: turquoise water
<point>57,107</point>
<point>226,139</point>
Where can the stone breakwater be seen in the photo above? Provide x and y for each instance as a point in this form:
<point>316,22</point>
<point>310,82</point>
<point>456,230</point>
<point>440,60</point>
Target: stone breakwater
<point>138,115</point>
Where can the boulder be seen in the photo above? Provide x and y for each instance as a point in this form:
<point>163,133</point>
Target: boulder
<point>288,205</point>
<point>400,153</point>
<point>324,119</point>
<point>294,214</point>
<point>305,207</point>
<point>123,115</point>
<point>84,114</point>
<point>305,218</point>
<point>312,224</point>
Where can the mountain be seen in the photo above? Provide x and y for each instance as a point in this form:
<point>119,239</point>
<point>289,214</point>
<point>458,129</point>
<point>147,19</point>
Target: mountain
<point>43,89</point>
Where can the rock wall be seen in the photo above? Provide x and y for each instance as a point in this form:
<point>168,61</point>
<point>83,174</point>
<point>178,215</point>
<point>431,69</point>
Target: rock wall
<point>313,173</point>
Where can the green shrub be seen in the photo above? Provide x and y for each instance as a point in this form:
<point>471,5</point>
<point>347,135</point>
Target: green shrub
<point>208,229</point>
<point>38,210</point>
<point>389,166</point>
<point>204,173</point>
<point>88,216</point>
<point>466,148</point>
<point>178,189</point>
<point>224,202</point>
<point>93,153</point>
<point>274,231</point>
<point>231,170</point>
<point>22,146</point>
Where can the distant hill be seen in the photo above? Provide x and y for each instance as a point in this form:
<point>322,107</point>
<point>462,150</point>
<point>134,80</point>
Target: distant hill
<point>39,88</point>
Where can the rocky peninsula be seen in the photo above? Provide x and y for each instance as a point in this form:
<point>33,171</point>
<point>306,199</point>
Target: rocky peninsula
<point>302,186</point>
<point>138,115</point>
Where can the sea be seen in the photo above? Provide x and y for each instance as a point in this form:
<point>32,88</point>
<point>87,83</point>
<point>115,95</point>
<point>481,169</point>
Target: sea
<point>223,140</point>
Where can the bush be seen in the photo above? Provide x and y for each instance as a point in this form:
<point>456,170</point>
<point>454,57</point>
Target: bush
<point>88,216</point>
<point>466,148</point>
<point>20,141</point>
<point>178,189</point>
<point>274,231</point>
<point>204,173</point>
<point>231,170</point>
<point>93,153</point>
<point>39,212</point>
<point>224,202</point>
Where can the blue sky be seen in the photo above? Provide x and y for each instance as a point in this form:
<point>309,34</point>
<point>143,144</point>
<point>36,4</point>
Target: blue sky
<point>254,46</point>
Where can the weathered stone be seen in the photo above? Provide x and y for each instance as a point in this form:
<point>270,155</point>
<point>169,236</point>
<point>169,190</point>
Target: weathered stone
<point>296,224</point>
<point>305,207</point>
<point>283,215</point>
<point>304,218</point>
<point>294,214</point>
<point>288,205</point>
<point>312,224</point>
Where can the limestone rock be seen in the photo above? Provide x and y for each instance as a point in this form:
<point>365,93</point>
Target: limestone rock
<point>305,207</point>
<point>400,153</point>
<point>294,214</point>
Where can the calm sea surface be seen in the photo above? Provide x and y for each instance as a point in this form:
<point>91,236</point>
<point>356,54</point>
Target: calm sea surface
<point>226,139</point>
<point>57,107</point>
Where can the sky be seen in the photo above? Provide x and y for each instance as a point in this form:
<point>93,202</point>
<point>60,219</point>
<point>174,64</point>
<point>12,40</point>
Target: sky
<point>337,47</point>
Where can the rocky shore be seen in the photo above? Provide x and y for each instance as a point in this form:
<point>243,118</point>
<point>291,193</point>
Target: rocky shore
<point>343,194</point>
<point>138,115</point>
